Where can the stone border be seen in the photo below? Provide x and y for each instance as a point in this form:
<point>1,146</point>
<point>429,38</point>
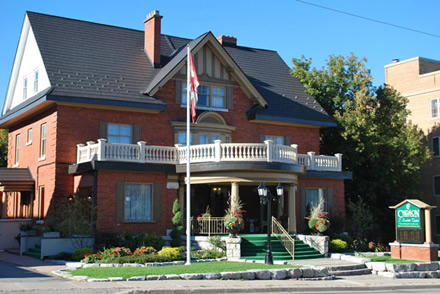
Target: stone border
<point>312,273</point>
<point>395,270</point>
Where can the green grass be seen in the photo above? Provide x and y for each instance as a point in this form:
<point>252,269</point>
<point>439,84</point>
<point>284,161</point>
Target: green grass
<point>195,268</point>
<point>388,259</point>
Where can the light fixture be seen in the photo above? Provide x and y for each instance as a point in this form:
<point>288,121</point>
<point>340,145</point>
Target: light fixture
<point>280,190</point>
<point>89,197</point>
<point>70,198</point>
<point>262,190</point>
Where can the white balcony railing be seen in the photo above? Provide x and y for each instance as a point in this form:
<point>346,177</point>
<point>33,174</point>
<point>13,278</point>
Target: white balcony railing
<point>217,152</point>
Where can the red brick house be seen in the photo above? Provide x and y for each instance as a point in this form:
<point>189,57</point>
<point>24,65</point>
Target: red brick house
<point>100,110</point>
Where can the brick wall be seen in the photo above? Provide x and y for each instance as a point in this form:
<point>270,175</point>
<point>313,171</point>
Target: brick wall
<point>338,213</point>
<point>106,197</point>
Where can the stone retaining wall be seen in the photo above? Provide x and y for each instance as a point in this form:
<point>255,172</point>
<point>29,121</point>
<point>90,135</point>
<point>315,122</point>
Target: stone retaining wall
<point>315,273</point>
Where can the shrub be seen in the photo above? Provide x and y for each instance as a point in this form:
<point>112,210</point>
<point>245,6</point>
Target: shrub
<point>80,253</point>
<point>338,245</point>
<point>360,245</point>
<point>140,240</point>
<point>144,258</point>
<point>172,253</point>
<point>145,250</point>
<point>127,239</point>
<point>217,243</point>
<point>155,241</point>
<point>345,238</point>
<point>207,254</point>
<point>67,256</point>
<point>106,240</point>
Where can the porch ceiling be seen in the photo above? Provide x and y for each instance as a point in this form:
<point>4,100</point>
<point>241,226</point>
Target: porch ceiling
<point>244,177</point>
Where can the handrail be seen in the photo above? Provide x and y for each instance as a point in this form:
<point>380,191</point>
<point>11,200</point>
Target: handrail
<point>208,225</point>
<point>284,237</point>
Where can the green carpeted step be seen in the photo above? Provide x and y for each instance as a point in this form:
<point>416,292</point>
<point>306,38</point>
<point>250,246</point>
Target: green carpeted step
<point>32,254</point>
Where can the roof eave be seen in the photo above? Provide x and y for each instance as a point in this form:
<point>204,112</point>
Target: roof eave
<point>322,124</point>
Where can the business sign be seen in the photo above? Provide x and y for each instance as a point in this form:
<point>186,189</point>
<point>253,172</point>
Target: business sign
<point>408,216</point>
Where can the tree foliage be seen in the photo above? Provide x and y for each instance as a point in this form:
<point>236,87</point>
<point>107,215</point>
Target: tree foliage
<point>3,148</point>
<point>383,150</point>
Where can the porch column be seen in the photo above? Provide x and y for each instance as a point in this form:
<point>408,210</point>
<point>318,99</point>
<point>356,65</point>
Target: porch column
<point>428,237</point>
<point>280,206</point>
<point>234,193</point>
<point>292,208</point>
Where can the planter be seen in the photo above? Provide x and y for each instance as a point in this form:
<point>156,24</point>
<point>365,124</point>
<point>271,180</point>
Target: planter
<point>51,235</point>
<point>27,233</point>
<point>233,233</point>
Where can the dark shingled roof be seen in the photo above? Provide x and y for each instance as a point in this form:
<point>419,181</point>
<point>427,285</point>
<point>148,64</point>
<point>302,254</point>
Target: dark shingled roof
<point>87,60</point>
<point>15,175</point>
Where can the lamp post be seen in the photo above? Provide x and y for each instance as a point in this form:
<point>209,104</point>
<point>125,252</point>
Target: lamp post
<point>266,197</point>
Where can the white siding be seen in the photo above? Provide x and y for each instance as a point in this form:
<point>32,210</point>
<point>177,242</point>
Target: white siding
<point>28,59</point>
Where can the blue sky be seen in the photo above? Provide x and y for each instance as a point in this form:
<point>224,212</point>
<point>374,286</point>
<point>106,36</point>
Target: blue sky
<point>290,27</point>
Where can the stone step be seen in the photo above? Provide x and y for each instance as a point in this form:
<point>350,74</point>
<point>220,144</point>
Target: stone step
<point>346,267</point>
<point>354,272</point>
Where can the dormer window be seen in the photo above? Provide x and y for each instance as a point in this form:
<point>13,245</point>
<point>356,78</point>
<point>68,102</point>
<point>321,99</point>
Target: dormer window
<point>210,97</point>
<point>25,85</point>
<point>36,81</point>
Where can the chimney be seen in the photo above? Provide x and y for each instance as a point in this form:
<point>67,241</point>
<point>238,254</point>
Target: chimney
<point>227,40</point>
<point>152,37</point>
<point>396,60</point>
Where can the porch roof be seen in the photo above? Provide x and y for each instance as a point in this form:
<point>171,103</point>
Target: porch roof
<point>16,179</point>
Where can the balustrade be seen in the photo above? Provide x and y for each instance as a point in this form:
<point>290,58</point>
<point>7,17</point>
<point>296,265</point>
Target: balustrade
<point>216,152</point>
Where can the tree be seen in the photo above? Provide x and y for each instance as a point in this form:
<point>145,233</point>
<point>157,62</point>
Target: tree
<point>177,221</point>
<point>383,150</point>
<point>3,148</point>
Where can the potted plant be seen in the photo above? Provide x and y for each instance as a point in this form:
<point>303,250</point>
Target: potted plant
<point>27,229</point>
<point>318,221</point>
<point>234,221</point>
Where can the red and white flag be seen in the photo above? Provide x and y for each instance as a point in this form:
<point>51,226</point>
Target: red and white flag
<point>194,84</point>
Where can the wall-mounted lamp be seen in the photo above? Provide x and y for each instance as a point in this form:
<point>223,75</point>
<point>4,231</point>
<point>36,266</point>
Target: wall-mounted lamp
<point>70,198</point>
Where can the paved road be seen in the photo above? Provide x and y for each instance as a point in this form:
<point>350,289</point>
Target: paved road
<point>20,274</point>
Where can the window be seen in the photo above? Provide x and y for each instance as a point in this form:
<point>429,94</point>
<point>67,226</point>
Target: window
<point>436,146</point>
<point>208,96</point>
<point>17,149</point>
<point>275,139</point>
<point>435,104</point>
<point>436,185</point>
<point>117,133</point>
<point>313,196</point>
<point>29,137</point>
<point>43,141</point>
<point>138,202</point>
<point>36,81</point>
<point>25,84</point>
<point>181,138</point>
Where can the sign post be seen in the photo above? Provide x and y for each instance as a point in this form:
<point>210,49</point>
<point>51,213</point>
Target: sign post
<point>413,231</point>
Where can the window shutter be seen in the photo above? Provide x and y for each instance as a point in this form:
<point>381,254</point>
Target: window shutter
<point>287,140</point>
<point>229,94</point>
<point>262,138</point>
<point>120,203</point>
<point>157,202</point>
<point>136,134</point>
<point>303,202</point>
<point>178,92</point>
<point>329,200</point>
<point>102,130</point>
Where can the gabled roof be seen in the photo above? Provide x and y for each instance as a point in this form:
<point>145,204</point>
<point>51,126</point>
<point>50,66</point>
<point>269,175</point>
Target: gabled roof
<point>101,64</point>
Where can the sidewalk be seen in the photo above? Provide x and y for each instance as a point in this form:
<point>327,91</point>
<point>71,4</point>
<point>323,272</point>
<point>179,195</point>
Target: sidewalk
<point>349,283</point>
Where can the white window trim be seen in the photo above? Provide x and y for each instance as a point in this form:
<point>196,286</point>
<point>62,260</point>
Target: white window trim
<point>36,81</point>
<point>151,206</point>
<point>43,156</point>
<point>17,150</point>
<point>27,137</point>
<point>211,108</point>
<point>117,124</point>
<point>25,78</point>
<point>438,108</point>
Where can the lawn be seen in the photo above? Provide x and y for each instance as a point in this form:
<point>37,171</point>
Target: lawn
<point>195,268</point>
<point>388,259</point>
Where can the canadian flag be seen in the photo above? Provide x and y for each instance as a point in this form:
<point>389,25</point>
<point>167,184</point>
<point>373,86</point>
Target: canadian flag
<point>194,84</point>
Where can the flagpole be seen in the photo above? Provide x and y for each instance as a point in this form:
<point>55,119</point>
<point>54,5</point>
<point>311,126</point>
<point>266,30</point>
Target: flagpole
<point>188,165</point>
